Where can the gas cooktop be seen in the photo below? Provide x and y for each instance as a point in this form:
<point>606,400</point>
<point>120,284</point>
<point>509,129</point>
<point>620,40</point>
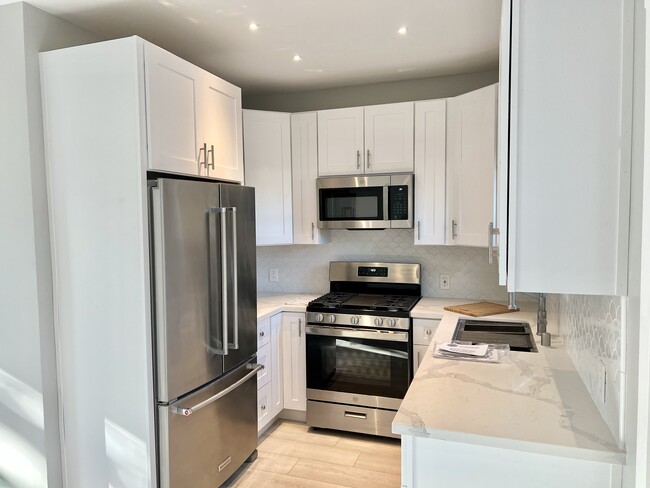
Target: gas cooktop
<point>362,302</point>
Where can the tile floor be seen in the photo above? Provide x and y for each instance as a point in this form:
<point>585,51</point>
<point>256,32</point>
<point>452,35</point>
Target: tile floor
<point>292,455</point>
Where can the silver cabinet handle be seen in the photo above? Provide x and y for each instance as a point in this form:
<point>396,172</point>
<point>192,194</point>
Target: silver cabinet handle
<point>454,225</point>
<point>211,163</point>
<point>205,156</point>
<point>368,159</point>
<point>492,252</point>
<point>299,327</point>
<point>186,412</point>
<point>358,159</point>
<point>312,232</point>
<point>419,234</point>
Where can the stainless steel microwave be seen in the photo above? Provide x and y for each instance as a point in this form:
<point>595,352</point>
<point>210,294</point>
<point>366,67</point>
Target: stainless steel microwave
<point>365,202</point>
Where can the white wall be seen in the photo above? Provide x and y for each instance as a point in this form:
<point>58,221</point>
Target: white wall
<point>29,430</point>
<point>355,96</point>
<point>306,268</point>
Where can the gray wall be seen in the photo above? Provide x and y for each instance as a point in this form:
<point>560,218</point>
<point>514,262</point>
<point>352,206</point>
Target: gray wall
<point>355,96</point>
<point>29,421</point>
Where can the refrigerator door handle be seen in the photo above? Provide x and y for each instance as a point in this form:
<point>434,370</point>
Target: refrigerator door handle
<point>216,220</point>
<point>232,211</point>
<point>186,412</point>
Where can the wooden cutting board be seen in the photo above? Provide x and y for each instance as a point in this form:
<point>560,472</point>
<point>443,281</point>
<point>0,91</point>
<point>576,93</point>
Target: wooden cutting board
<point>480,309</point>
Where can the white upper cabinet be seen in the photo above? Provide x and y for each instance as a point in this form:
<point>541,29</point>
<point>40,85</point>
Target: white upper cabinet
<point>304,171</point>
<point>193,119</point>
<point>340,136</point>
<point>430,164</point>
<point>222,128</point>
<point>174,128</point>
<point>471,166</point>
<point>568,145</point>
<point>389,138</point>
<point>366,140</point>
<point>267,150</point>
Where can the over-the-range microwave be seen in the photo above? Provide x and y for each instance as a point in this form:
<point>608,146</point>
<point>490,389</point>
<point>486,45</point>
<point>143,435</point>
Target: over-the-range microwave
<point>365,202</point>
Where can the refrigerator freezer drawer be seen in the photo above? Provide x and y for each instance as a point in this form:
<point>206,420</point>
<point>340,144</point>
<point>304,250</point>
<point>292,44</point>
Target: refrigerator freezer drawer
<point>202,447</point>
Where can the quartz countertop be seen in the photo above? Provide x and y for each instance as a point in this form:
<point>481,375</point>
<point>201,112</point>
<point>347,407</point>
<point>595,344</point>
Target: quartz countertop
<point>535,403</point>
<point>271,303</point>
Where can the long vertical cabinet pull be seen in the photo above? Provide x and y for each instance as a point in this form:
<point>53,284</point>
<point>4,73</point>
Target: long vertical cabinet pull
<point>454,225</point>
<point>211,163</point>
<point>215,255</point>
<point>419,230</point>
<point>492,250</point>
<point>368,159</point>
<point>232,212</point>
<point>312,232</point>
<point>358,159</point>
<point>203,150</point>
<point>299,327</point>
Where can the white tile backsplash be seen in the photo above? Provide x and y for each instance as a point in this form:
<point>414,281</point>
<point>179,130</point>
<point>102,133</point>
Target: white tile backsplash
<point>591,330</point>
<point>306,268</point>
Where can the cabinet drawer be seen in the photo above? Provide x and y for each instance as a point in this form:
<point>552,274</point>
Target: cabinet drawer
<point>264,358</point>
<point>263,332</point>
<point>263,406</point>
<point>424,330</point>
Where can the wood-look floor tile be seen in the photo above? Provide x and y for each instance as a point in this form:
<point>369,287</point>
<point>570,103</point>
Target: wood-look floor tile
<point>343,475</point>
<point>274,463</point>
<point>378,445</point>
<point>261,479</point>
<point>301,432</point>
<point>287,447</point>
<point>389,464</point>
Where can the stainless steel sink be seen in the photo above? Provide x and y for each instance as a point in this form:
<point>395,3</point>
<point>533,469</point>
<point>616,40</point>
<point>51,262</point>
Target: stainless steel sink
<point>518,335</point>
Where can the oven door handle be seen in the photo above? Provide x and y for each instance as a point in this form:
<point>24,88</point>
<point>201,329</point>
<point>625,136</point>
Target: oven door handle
<point>373,334</point>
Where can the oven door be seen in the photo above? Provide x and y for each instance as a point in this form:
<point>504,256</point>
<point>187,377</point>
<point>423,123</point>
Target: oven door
<point>365,367</point>
<point>353,202</point>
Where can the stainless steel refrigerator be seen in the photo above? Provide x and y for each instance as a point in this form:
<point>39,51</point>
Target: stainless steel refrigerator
<point>205,318</point>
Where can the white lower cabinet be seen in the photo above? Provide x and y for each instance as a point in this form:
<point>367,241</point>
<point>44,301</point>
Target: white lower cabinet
<point>294,358</point>
<point>263,406</point>
<point>267,356</point>
<point>264,358</point>
<point>277,395</point>
<point>423,332</point>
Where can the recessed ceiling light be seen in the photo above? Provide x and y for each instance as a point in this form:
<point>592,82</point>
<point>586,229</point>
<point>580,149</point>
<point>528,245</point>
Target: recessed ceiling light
<point>297,58</point>
<point>402,31</point>
<point>253,26</point>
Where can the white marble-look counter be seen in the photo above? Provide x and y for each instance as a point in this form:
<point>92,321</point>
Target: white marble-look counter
<point>271,303</point>
<point>535,403</point>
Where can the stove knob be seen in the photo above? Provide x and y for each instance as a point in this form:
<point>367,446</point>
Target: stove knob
<point>391,322</point>
<point>331,319</point>
<point>319,317</point>
<point>354,320</point>
<point>379,321</point>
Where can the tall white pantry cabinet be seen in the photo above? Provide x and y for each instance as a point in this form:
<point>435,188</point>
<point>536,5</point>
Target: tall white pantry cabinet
<point>109,117</point>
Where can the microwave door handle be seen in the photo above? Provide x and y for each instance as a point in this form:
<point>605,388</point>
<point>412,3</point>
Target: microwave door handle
<point>216,344</point>
<point>386,216</point>
<point>232,212</point>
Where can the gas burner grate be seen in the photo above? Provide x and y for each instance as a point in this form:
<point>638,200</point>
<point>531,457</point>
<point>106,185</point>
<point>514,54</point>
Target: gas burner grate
<point>332,299</point>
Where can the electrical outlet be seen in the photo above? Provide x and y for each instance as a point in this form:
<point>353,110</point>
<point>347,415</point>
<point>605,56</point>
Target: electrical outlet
<point>273,274</point>
<point>445,284</point>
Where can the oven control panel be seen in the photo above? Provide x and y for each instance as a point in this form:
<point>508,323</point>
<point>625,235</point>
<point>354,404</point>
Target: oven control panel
<point>374,271</point>
<point>346,319</point>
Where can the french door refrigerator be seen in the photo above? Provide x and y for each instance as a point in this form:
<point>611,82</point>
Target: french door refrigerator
<point>205,318</point>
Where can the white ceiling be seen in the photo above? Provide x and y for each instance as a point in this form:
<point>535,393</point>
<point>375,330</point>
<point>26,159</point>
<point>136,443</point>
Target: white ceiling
<point>342,42</point>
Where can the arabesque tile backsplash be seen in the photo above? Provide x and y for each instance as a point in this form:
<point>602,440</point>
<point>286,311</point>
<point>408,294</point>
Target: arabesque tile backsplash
<point>591,328</point>
<point>305,268</point>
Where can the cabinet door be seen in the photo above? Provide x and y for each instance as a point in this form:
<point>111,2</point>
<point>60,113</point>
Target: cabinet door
<point>267,150</point>
<point>304,171</point>
<point>430,167</point>
<point>172,91</point>
<point>340,142</point>
<point>424,330</point>
<point>418,355</point>
<point>389,138</point>
<point>277,395</point>
<point>222,128</point>
<point>263,332</point>
<point>294,361</point>
<point>471,166</point>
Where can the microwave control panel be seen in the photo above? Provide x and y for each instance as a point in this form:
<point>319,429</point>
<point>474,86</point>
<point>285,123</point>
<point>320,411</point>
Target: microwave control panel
<point>398,202</point>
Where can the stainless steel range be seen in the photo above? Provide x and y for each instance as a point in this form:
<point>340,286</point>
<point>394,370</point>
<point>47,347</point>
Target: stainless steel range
<point>359,346</point>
